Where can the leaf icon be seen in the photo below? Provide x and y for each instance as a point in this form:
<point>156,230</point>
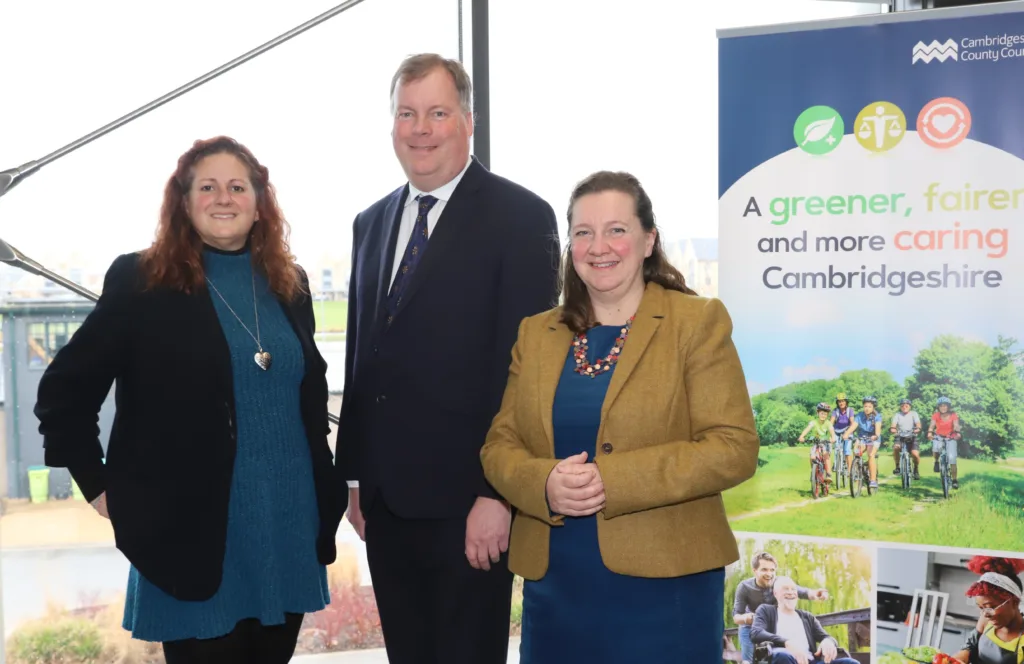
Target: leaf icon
<point>818,130</point>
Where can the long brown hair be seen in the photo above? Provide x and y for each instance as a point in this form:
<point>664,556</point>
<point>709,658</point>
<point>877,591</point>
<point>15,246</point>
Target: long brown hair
<point>175,258</point>
<point>577,310</point>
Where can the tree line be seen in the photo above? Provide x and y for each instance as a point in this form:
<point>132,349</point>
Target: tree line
<point>985,383</point>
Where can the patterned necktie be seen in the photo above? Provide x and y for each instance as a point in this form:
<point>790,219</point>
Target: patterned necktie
<point>413,253</point>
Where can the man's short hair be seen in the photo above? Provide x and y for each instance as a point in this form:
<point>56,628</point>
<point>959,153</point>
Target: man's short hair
<point>755,562</point>
<point>781,582</point>
<point>416,67</point>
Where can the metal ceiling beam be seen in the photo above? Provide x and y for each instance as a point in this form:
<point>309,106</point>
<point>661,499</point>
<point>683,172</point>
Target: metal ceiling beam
<point>12,176</point>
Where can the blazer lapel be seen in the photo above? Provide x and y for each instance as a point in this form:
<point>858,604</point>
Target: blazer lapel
<point>209,319</point>
<point>293,311</point>
<point>648,318</point>
<point>392,220</point>
<point>458,211</point>
<point>554,347</point>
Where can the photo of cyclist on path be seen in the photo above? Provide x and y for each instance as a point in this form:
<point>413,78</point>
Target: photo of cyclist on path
<point>906,424</point>
<point>868,430</point>
<point>821,430</point>
<point>944,432</point>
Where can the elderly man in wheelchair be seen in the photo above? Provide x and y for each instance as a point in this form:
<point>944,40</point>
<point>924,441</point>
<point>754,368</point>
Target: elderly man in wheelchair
<point>784,634</point>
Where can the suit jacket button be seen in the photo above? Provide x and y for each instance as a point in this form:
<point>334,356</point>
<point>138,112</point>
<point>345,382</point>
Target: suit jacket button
<point>381,398</point>
<point>607,448</point>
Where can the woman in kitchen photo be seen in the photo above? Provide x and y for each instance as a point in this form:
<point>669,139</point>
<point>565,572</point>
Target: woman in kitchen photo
<point>999,637</point>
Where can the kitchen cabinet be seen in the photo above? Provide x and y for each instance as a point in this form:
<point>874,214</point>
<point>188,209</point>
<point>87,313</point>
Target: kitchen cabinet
<point>903,570</point>
<point>892,634</point>
<point>951,559</point>
<point>953,638</point>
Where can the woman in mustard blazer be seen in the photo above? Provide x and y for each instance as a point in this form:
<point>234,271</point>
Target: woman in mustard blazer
<point>625,416</point>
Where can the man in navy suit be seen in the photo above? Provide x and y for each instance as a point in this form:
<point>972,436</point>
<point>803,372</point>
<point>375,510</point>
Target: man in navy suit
<point>443,270</point>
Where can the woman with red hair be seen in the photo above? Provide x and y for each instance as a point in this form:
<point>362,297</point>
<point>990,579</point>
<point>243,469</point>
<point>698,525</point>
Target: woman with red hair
<point>218,476</point>
<point>999,638</point>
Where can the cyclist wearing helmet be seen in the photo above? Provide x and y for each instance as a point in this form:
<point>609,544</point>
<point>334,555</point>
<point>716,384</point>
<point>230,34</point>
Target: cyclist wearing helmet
<point>944,431</point>
<point>906,424</point>
<point>822,430</point>
<point>867,426</point>
<point>842,416</point>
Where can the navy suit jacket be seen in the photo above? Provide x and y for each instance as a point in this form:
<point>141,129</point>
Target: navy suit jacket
<point>420,393</point>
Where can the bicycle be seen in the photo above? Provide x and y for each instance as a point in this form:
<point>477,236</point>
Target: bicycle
<point>839,461</point>
<point>945,478</point>
<point>860,472</point>
<point>819,482</point>
<point>906,460</point>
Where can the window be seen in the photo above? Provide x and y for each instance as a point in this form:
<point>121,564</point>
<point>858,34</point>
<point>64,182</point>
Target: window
<point>45,339</point>
<point>315,110</point>
<point>637,90</point>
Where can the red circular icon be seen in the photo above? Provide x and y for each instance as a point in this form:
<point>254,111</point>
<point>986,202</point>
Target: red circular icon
<point>944,122</point>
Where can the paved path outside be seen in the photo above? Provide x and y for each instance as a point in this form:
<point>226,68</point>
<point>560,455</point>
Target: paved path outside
<point>380,657</point>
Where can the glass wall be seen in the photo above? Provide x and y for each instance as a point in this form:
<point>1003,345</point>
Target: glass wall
<point>636,89</point>
<point>576,86</point>
<point>314,110</point>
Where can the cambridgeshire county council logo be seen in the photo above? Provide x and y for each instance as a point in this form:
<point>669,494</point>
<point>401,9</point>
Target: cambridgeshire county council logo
<point>925,53</point>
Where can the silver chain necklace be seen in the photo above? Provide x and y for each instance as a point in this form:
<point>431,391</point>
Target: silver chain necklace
<point>261,357</point>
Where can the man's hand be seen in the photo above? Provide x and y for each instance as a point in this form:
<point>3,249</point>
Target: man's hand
<point>749,619</point>
<point>355,514</point>
<point>820,594</point>
<point>574,487</point>
<point>796,653</point>
<point>827,651</point>
<point>487,532</point>
<point>100,505</point>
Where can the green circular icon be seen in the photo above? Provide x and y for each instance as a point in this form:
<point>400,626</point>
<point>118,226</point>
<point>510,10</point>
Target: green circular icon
<point>819,130</point>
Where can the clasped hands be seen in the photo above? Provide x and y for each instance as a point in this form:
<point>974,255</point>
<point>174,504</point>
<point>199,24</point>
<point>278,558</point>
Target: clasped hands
<point>575,487</point>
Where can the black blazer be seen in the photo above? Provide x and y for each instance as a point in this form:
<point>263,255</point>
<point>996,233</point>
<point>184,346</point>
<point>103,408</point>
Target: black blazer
<point>171,451</point>
<point>766,621</point>
<point>420,394</point>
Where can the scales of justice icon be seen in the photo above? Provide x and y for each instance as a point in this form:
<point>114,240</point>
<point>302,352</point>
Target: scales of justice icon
<point>882,124</point>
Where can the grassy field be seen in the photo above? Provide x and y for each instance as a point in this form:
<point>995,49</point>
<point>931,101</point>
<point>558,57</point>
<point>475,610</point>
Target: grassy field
<point>986,512</point>
<point>331,316</point>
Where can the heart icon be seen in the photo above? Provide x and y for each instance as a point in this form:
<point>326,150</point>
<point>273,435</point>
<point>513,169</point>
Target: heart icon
<point>944,122</point>
<point>263,360</point>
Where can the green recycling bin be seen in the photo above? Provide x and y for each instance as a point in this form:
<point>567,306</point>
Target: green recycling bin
<point>39,483</point>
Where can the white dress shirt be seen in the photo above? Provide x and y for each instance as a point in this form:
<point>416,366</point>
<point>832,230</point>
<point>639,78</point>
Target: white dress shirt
<point>443,194</point>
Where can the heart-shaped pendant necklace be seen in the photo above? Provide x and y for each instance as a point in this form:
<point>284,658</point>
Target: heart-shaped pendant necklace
<point>261,357</point>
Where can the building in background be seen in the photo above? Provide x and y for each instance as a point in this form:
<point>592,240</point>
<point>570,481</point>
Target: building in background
<point>697,259</point>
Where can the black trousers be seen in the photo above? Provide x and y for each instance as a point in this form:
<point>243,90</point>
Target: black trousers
<point>435,608</point>
<point>249,643</point>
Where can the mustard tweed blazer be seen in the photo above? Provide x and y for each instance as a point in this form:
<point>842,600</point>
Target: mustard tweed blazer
<point>677,429</point>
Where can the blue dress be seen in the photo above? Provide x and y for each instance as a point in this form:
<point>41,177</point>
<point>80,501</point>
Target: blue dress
<point>270,565</point>
<point>580,611</point>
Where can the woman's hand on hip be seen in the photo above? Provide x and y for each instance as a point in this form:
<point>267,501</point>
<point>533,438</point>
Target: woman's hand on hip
<point>574,487</point>
<point>100,505</point>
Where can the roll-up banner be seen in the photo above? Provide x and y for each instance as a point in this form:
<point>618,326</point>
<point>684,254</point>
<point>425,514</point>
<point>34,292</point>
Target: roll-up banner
<point>871,203</point>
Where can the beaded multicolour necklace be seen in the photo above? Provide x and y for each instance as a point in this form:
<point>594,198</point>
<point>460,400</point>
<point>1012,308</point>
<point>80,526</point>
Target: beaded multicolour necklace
<point>580,349</point>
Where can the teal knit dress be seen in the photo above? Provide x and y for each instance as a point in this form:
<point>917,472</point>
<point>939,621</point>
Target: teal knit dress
<point>270,565</point>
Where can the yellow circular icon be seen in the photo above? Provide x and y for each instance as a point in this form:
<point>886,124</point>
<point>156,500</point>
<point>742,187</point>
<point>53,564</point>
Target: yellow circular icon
<point>880,126</point>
